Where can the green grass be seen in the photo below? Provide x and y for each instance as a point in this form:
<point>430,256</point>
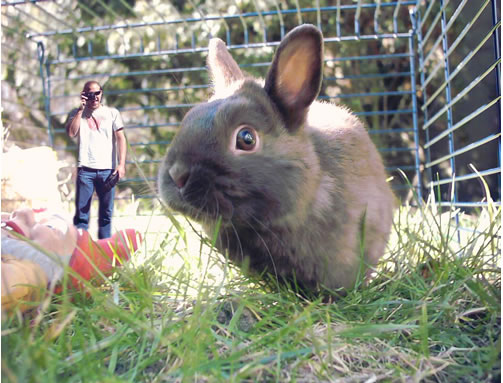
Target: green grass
<point>431,314</point>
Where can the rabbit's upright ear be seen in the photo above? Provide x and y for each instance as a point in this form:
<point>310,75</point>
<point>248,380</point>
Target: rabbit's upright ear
<point>223,69</point>
<point>294,78</point>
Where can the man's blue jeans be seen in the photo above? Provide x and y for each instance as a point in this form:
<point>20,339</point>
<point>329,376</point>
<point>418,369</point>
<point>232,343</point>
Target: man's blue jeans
<point>89,180</point>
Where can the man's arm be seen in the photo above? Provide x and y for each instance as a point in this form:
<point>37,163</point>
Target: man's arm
<point>122,147</point>
<point>73,124</point>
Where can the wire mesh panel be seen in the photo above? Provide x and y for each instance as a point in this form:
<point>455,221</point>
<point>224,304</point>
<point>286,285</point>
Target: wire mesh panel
<point>150,59</point>
<point>459,55</point>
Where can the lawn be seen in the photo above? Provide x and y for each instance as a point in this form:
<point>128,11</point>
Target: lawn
<point>180,312</point>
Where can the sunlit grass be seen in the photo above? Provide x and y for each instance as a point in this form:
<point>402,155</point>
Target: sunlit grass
<point>432,313</point>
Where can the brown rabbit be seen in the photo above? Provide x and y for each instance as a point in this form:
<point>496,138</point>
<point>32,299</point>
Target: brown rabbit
<point>300,187</point>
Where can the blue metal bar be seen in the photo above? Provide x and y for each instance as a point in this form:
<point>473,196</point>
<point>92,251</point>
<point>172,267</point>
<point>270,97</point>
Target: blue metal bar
<point>497,48</point>
<point>367,76</point>
<point>464,149</point>
<point>299,12</point>
<point>338,19</point>
<point>448,27</point>
<point>395,150</point>
<point>383,112</point>
<point>371,94</point>
<point>445,48</point>
<point>462,122</point>
<point>261,21</point>
<point>390,131</point>
<point>456,42</point>
<point>369,57</point>
<point>377,13</point>
<point>137,73</point>
<point>382,36</point>
<point>395,16</point>
<point>466,29</point>
<point>461,65</point>
<point>45,90</point>
<point>212,18</point>
<point>432,74</point>
<point>318,16</point>
<point>350,58</point>
<point>426,13</point>
<point>262,64</point>
<point>466,177</point>
<point>418,30</point>
<point>396,168</point>
<point>207,86</point>
<point>497,55</point>
<point>434,23</point>
<point>357,18</point>
<point>414,108</point>
<point>281,21</point>
<point>20,2</point>
<point>460,95</point>
<point>204,49</point>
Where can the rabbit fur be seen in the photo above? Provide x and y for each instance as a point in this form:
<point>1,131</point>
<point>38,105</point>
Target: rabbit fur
<point>309,199</point>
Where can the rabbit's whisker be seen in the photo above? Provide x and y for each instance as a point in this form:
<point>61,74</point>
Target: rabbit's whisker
<point>268,253</point>
<point>241,252</point>
<point>268,229</point>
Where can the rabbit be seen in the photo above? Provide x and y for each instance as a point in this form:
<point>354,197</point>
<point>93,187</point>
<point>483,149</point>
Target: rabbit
<point>295,187</point>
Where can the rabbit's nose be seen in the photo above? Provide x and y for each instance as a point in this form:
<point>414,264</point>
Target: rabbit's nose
<point>179,173</point>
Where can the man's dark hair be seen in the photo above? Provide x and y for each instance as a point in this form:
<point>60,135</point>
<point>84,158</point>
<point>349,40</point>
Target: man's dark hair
<point>89,83</point>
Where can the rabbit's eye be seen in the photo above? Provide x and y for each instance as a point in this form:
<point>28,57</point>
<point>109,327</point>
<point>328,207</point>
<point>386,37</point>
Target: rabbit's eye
<point>246,139</point>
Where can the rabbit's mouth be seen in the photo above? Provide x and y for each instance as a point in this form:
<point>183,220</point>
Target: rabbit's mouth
<point>204,210</point>
<point>203,197</point>
<point>208,205</point>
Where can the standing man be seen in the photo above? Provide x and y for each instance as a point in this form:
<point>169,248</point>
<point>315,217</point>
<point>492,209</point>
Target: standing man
<point>102,152</point>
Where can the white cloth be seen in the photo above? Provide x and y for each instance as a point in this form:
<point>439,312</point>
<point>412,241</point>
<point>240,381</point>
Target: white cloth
<point>51,264</point>
<point>97,146</point>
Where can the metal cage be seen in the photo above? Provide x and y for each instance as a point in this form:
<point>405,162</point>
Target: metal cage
<point>424,76</point>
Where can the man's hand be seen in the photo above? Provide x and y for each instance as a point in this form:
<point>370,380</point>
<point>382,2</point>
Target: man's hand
<point>121,146</point>
<point>83,101</point>
<point>122,171</point>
